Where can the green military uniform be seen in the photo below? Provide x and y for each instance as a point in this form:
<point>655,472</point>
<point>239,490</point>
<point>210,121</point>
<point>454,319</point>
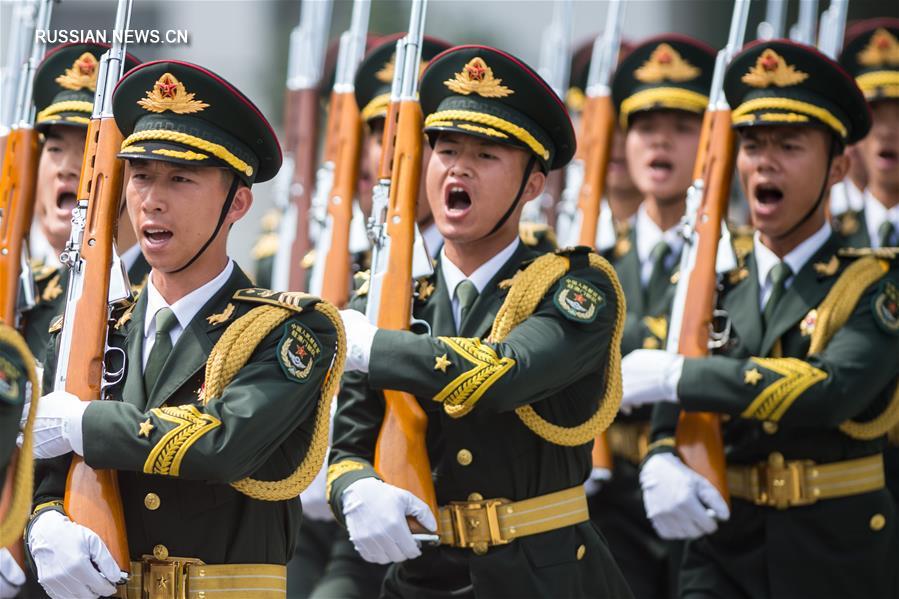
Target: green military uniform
<point>473,384</point>
<point>805,394</point>
<point>211,454</point>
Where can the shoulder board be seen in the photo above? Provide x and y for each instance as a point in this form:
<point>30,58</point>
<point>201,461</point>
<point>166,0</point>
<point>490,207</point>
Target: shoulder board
<point>890,253</point>
<point>56,324</point>
<point>265,246</point>
<point>533,234</point>
<point>271,220</point>
<point>292,300</point>
<point>573,250</point>
<point>360,283</point>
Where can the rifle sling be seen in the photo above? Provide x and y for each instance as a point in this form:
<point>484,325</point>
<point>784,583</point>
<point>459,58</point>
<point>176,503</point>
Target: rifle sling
<point>225,208</point>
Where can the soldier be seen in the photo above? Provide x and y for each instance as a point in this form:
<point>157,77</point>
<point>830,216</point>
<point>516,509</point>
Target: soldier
<point>802,383</point>
<point>202,453</point>
<point>64,87</point>
<point>496,129</point>
<point>660,92</point>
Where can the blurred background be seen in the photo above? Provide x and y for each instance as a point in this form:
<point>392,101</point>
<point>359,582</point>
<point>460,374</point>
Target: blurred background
<point>246,41</point>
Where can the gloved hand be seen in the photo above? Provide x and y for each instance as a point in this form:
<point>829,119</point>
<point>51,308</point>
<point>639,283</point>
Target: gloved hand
<point>11,576</point>
<point>594,482</point>
<point>360,334</point>
<point>680,503</point>
<point>649,376</point>
<point>375,515</point>
<point>71,560</point>
<point>57,424</point>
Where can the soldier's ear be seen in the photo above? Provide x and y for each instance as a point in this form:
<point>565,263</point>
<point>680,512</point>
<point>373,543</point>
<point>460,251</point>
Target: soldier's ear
<point>839,169</point>
<point>243,201</point>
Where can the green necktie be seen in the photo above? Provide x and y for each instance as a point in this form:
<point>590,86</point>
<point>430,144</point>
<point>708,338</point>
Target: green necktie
<point>162,347</point>
<point>779,275</point>
<point>658,277</point>
<point>886,230</point>
<point>467,294</point>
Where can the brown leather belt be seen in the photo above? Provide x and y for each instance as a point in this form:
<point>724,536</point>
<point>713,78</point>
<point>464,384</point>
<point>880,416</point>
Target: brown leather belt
<point>484,523</point>
<point>783,483</point>
<point>186,578</point>
<point>629,440</point>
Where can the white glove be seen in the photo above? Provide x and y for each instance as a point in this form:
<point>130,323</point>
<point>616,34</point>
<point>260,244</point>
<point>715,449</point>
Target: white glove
<point>11,576</point>
<point>680,503</point>
<point>375,515</point>
<point>649,376</point>
<point>72,561</point>
<point>360,334</point>
<point>594,482</point>
<point>57,424</point>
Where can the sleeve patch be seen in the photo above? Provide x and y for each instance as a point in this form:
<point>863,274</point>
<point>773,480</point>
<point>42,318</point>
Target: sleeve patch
<point>578,300</point>
<point>886,308</point>
<point>298,351</point>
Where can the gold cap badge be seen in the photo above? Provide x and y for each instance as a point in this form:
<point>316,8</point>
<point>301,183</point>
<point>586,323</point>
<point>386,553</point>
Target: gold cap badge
<point>771,69</point>
<point>666,63</point>
<point>882,49</point>
<point>170,94</point>
<point>82,74</point>
<point>476,77</point>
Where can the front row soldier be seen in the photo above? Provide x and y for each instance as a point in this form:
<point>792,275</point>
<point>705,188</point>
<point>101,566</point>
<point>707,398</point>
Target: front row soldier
<point>806,384</point>
<point>501,399</point>
<point>224,383</point>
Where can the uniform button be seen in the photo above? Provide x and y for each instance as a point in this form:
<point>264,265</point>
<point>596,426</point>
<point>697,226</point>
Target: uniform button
<point>878,521</point>
<point>464,457</point>
<point>161,552</point>
<point>769,427</point>
<point>475,497</point>
<point>581,552</point>
<point>151,501</point>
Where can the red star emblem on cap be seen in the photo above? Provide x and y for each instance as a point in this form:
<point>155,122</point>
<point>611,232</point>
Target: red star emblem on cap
<point>167,88</point>
<point>664,57</point>
<point>475,71</point>
<point>769,63</point>
<point>86,66</point>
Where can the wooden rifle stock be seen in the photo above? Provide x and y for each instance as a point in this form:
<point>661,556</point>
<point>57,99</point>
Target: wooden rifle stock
<point>391,122</point>
<point>401,454</point>
<point>303,136</point>
<point>17,186</point>
<point>92,496</point>
<point>348,144</point>
<point>698,436</point>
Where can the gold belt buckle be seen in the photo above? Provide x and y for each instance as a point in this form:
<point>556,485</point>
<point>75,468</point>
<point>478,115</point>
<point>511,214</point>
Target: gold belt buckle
<point>166,578</point>
<point>784,483</point>
<point>476,524</point>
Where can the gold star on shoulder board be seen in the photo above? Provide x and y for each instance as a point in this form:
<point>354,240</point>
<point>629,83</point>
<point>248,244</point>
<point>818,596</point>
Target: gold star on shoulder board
<point>752,377</point>
<point>145,427</point>
<point>441,363</point>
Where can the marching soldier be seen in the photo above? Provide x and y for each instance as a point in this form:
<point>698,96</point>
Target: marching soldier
<point>225,384</point>
<point>64,87</point>
<point>660,92</point>
<point>496,130</point>
<point>802,384</point>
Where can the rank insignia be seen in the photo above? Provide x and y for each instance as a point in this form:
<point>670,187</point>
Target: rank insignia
<point>752,377</point>
<point>81,75</point>
<point>807,324</point>
<point>441,363</point>
<point>771,69</point>
<point>476,77</point>
<point>666,63</point>
<point>170,94</point>
<point>882,49</point>
<point>9,381</point>
<point>886,307</point>
<point>298,351</point>
<point>145,428</point>
<point>578,300</point>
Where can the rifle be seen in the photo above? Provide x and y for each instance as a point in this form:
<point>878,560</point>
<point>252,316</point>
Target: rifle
<point>804,30</point>
<point>97,282</point>
<point>22,26</point>
<point>775,19</point>
<point>331,272</point>
<point>17,187</point>
<point>698,435</point>
<point>832,29</point>
<point>401,455</point>
<point>306,59</point>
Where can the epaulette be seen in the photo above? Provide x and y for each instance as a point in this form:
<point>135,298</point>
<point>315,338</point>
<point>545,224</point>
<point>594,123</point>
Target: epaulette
<point>292,300</point>
<point>360,283</point>
<point>56,324</point>
<point>578,256</point>
<point>847,223</point>
<point>572,250</point>
<point>270,221</point>
<point>266,246</point>
<point>533,234</point>
<point>887,253</point>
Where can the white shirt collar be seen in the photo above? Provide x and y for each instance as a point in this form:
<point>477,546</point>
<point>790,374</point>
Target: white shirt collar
<point>765,259</point>
<point>185,308</point>
<point>648,236</point>
<point>480,277</point>
<point>876,214</point>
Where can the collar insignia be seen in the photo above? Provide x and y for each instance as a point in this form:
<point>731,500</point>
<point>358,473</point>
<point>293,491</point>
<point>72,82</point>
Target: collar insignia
<point>666,63</point>
<point>222,316</point>
<point>476,77</point>
<point>771,69</point>
<point>827,269</point>
<point>882,49</point>
<point>81,75</point>
<point>170,94</point>
<point>807,324</point>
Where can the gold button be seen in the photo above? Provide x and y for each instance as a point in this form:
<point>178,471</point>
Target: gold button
<point>161,552</point>
<point>581,552</point>
<point>464,457</point>
<point>878,521</point>
<point>479,548</point>
<point>769,427</point>
<point>151,501</point>
<point>475,497</point>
